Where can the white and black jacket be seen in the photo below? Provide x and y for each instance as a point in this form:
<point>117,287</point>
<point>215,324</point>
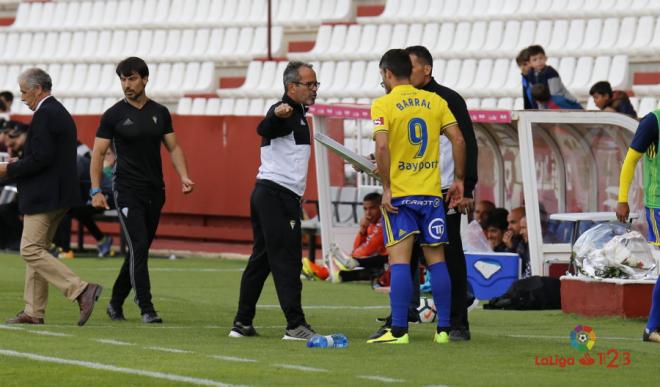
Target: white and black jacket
<point>285,147</point>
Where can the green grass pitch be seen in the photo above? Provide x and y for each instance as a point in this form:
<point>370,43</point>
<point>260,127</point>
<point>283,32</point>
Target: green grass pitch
<point>197,300</point>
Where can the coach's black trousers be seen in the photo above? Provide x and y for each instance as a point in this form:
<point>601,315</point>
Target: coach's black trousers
<point>455,258</point>
<point>139,213</point>
<point>275,215</point>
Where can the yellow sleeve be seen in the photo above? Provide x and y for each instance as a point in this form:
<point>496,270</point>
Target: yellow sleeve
<point>446,116</point>
<point>627,173</point>
<point>379,117</point>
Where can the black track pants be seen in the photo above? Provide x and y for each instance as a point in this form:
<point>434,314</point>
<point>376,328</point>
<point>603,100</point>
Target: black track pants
<point>139,213</point>
<point>275,216</point>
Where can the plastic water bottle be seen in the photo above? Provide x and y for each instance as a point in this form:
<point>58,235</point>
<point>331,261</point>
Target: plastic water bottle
<point>336,340</point>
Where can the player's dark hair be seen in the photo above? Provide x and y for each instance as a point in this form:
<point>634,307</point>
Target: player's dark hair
<point>398,62</point>
<point>497,218</point>
<point>602,87</point>
<point>523,56</point>
<point>540,92</point>
<point>132,65</point>
<point>422,53</point>
<point>535,49</point>
<point>374,197</point>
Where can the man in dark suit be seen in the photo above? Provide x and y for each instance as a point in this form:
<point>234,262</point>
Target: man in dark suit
<point>48,184</point>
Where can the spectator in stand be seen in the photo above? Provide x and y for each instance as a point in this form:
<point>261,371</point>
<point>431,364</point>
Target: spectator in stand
<point>543,99</point>
<point>369,250</point>
<point>523,63</point>
<point>609,100</point>
<point>547,75</point>
<point>496,226</point>
<point>512,236</point>
<point>7,98</point>
<point>482,210</point>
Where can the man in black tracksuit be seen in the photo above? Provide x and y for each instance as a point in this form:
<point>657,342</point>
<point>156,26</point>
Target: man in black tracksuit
<point>275,207</point>
<point>136,126</point>
<point>421,78</point>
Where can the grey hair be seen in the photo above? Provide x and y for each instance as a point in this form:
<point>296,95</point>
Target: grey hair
<point>291,74</point>
<point>34,77</point>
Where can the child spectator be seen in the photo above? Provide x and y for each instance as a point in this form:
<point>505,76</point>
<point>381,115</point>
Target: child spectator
<point>542,97</point>
<point>496,226</point>
<point>609,100</point>
<point>547,75</point>
<point>523,62</point>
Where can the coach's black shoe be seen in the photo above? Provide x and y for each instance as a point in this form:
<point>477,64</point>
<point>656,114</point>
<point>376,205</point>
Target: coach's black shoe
<point>151,318</point>
<point>239,330</point>
<point>115,314</point>
<point>461,334</point>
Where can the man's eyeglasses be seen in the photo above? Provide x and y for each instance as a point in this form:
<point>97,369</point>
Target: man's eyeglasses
<point>309,85</point>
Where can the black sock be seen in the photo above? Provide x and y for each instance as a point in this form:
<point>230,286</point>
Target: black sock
<point>442,329</point>
<point>399,331</point>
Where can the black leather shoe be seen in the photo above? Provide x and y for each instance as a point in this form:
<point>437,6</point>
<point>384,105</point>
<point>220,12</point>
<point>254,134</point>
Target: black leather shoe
<point>115,314</point>
<point>462,334</point>
<point>151,318</point>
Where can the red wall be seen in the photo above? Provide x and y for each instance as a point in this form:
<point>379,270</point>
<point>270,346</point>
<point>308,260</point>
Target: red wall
<point>223,158</point>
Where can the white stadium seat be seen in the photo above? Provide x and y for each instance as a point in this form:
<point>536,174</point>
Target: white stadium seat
<point>582,74</point>
<point>505,103</point>
<point>212,107</point>
<point>184,106</point>
<point>619,74</point>
<point>227,106</point>
<point>198,106</point>
<point>646,105</point>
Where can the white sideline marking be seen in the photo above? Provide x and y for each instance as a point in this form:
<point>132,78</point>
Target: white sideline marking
<point>112,342</point>
<point>300,368</point>
<point>111,368</point>
<point>36,332</point>
<point>232,358</point>
<point>565,337</point>
<point>170,350</point>
<point>48,333</point>
<point>10,328</point>
<point>380,379</point>
<point>331,307</point>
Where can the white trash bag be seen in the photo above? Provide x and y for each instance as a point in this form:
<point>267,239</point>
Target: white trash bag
<point>611,250</point>
<point>475,240</point>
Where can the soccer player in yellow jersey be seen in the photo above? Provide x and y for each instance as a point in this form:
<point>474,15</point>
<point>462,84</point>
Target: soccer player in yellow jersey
<point>408,123</point>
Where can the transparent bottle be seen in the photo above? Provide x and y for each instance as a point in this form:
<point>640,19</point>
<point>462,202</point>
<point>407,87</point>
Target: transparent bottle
<point>336,340</point>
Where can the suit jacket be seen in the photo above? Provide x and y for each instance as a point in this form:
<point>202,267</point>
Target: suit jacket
<point>46,173</point>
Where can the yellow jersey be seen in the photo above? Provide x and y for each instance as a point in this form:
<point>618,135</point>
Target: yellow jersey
<point>414,119</point>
